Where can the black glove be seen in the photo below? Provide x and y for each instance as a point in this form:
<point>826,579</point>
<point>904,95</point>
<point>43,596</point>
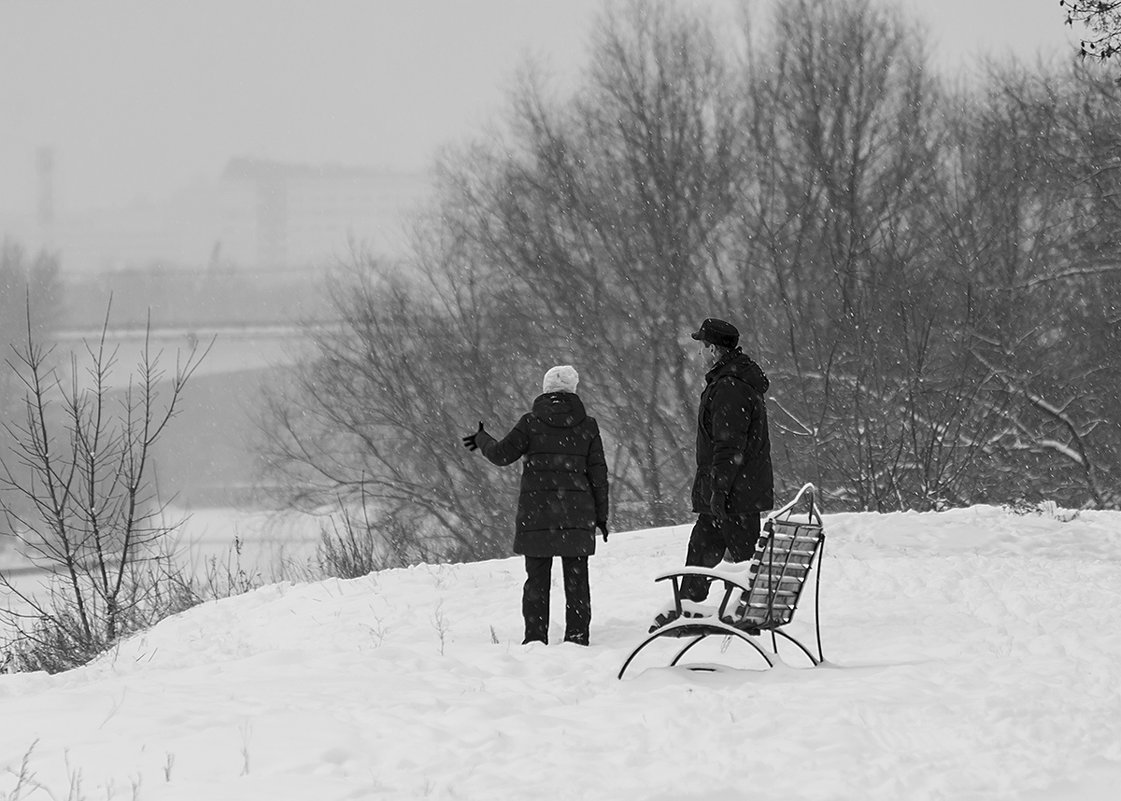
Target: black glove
<point>602,529</point>
<point>469,441</point>
<point>718,504</point>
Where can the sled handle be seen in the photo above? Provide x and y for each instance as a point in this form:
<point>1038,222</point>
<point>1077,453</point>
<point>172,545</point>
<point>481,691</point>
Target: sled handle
<point>810,491</point>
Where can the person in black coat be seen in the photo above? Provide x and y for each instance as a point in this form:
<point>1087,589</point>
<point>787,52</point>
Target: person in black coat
<point>563,500</point>
<point>734,482</point>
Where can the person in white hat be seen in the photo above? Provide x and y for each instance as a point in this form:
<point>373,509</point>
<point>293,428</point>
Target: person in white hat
<point>563,499</point>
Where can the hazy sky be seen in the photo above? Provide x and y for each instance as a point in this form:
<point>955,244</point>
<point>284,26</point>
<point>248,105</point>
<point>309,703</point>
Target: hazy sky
<point>140,97</point>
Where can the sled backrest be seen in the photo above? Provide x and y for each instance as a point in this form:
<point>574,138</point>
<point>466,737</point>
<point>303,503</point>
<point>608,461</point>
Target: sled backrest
<point>784,556</point>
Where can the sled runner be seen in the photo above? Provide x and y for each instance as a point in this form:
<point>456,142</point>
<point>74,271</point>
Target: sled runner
<point>757,596</point>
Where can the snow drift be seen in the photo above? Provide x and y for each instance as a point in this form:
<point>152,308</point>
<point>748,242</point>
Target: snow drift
<point>972,654</point>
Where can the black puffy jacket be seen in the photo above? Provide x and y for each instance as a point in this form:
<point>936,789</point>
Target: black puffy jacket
<point>733,443</point>
<point>564,478</point>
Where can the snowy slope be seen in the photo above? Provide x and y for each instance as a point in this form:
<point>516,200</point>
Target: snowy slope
<point>973,654</point>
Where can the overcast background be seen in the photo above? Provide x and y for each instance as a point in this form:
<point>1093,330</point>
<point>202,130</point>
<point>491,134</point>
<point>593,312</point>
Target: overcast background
<point>140,98</point>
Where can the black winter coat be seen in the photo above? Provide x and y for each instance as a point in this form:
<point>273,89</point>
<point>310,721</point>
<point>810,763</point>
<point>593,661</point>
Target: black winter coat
<point>564,478</point>
<point>733,443</point>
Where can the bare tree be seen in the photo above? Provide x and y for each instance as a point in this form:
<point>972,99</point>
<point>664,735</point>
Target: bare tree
<point>1101,20</point>
<point>845,144</point>
<point>372,420</point>
<point>1041,227</point>
<point>609,215</point>
<point>22,276</point>
<point>929,257</point>
<point>76,491</point>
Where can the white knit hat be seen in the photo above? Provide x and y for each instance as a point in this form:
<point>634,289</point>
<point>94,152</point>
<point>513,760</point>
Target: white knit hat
<point>562,378</point>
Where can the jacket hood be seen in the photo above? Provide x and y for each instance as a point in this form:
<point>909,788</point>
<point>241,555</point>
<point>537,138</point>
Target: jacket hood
<point>559,409</point>
<point>740,365</point>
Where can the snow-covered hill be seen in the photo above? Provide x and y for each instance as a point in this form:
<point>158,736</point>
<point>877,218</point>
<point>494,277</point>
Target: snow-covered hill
<point>972,654</point>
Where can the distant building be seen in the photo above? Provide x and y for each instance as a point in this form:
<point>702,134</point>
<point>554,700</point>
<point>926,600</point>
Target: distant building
<point>233,265</point>
<point>285,214</point>
<point>259,215</point>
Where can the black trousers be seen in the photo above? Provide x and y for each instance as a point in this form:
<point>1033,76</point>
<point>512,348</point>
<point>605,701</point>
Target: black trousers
<point>710,539</point>
<point>577,598</point>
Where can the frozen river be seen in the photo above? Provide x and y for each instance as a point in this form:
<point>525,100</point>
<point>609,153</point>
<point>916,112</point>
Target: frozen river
<point>265,546</point>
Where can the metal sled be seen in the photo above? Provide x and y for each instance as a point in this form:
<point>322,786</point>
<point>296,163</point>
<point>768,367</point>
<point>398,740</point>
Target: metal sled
<point>762,597</point>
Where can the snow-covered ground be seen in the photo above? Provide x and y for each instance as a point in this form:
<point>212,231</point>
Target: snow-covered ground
<point>971,654</point>
<point>267,543</point>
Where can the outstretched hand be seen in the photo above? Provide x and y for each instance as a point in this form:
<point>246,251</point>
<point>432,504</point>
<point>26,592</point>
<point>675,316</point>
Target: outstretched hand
<point>469,442</point>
